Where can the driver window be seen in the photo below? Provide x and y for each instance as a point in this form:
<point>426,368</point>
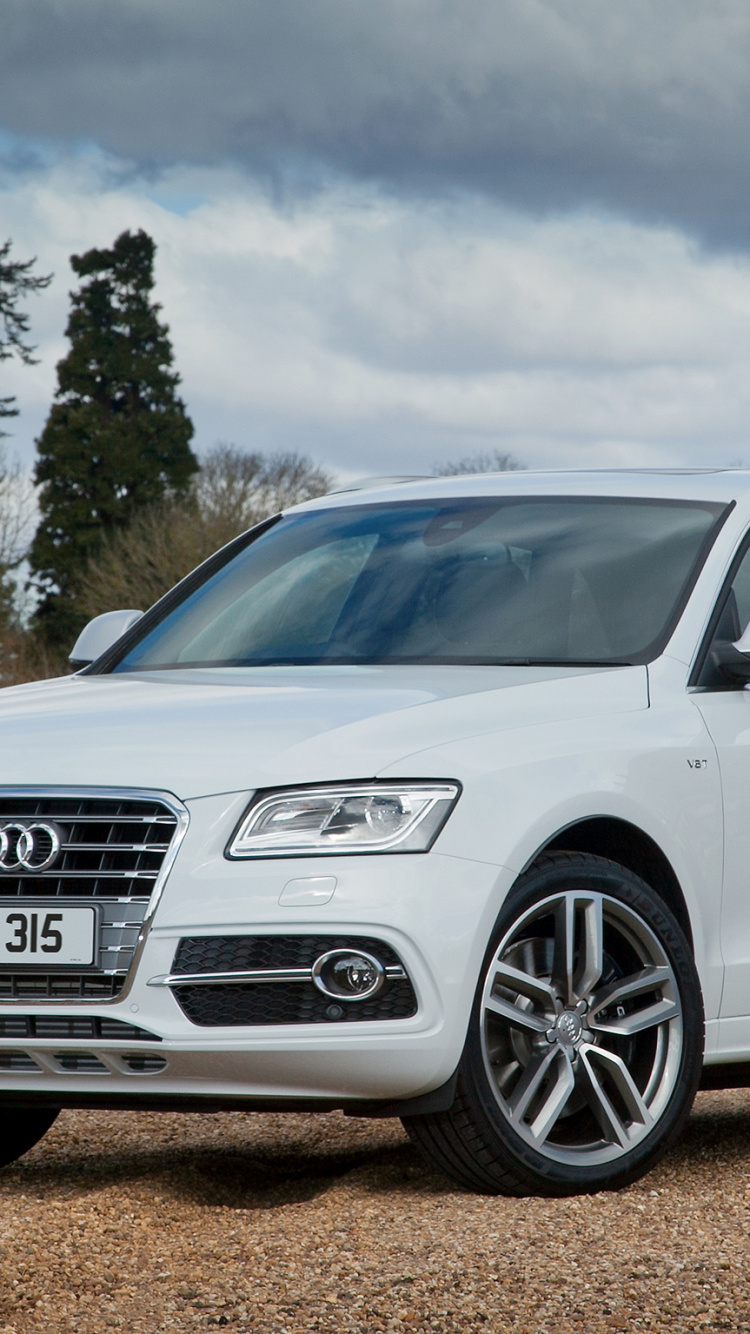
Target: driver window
<point>733,620</point>
<point>736,614</point>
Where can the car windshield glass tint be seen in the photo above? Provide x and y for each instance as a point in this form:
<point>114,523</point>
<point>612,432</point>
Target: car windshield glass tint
<point>480,580</point>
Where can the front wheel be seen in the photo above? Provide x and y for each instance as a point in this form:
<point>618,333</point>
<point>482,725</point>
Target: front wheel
<point>585,1044</point>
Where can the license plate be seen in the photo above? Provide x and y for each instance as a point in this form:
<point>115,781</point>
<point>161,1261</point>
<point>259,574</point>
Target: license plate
<point>47,935</point>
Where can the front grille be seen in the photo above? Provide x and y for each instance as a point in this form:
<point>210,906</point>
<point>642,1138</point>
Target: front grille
<point>111,847</point>
<point>264,1003</point>
<point>112,851</point>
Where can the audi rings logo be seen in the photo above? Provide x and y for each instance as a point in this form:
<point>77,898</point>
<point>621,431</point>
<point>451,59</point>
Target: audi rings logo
<point>28,846</point>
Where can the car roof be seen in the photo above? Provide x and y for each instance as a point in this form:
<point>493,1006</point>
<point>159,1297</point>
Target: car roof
<point>711,484</point>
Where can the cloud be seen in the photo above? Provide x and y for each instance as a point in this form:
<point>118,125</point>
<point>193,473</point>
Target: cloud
<point>383,335</point>
<point>546,105</point>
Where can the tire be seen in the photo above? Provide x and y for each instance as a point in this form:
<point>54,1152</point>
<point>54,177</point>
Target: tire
<point>585,1042</point>
<point>21,1128</point>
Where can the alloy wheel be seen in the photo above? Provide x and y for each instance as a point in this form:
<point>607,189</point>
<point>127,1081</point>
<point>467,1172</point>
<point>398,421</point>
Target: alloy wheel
<point>581,1028</point>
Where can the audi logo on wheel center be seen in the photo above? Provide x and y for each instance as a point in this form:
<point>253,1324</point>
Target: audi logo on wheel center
<point>28,845</point>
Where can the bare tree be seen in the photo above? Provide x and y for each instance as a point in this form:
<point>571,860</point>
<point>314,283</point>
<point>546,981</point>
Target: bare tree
<point>494,461</point>
<point>164,542</point>
<point>21,657</point>
<point>17,512</point>
<point>16,281</point>
<point>234,490</point>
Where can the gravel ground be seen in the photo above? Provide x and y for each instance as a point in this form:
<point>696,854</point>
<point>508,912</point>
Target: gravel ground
<point>294,1223</point>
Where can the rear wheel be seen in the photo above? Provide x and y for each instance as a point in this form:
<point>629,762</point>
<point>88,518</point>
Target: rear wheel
<point>21,1128</point>
<point>585,1043</point>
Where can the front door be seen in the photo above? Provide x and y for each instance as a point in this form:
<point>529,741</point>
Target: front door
<point>726,710</point>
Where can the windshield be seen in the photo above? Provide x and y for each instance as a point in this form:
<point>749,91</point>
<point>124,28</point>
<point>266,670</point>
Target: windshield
<point>583,580</point>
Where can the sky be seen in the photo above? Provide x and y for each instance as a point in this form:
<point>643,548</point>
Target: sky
<point>394,233</point>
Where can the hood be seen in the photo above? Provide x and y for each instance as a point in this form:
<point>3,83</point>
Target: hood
<point>197,733</point>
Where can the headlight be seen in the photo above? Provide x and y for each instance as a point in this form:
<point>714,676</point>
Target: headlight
<point>345,818</point>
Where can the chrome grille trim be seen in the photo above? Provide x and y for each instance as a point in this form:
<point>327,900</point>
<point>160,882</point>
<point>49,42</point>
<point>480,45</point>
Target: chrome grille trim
<point>125,896</point>
<point>250,977</point>
<point>81,875</point>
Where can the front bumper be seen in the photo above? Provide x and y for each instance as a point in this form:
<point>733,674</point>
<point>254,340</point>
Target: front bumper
<point>435,912</point>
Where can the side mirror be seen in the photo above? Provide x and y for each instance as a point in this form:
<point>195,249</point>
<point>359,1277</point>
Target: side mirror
<point>100,634</point>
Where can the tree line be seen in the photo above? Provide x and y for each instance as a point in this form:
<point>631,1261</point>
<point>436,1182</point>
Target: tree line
<point>124,508</point>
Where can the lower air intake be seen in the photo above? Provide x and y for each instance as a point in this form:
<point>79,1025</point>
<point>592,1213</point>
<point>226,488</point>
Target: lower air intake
<point>18,1060</point>
<point>81,1063</point>
<point>262,1003</point>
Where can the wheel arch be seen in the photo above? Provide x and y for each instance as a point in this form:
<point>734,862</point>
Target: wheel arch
<point>629,846</point>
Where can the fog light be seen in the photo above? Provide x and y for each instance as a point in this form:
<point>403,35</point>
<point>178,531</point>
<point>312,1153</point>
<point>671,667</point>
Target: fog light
<point>348,975</point>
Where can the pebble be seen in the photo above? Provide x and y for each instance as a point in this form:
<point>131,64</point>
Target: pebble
<point>270,1224</point>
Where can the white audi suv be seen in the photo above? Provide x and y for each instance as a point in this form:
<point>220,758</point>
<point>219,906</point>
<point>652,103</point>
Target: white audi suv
<point>428,799</point>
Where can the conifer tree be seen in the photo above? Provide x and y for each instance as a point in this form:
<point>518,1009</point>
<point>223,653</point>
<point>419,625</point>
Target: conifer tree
<point>117,436</point>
